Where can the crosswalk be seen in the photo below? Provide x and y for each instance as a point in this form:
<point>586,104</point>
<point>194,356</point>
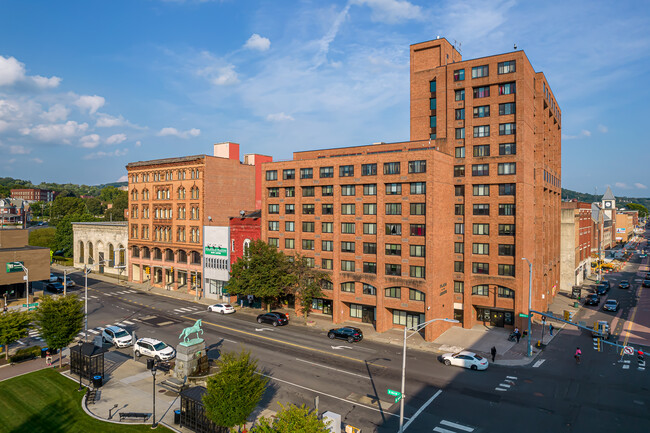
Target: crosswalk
<point>122,292</point>
<point>35,333</point>
<point>186,310</point>
<point>452,427</point>
<point>506,384</point>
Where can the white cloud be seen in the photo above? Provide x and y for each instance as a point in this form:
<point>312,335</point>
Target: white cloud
<point>640,185</point>
<point>278,117</point>
<point>56,113</point>
<point>11,71</point>
<point>325,41</point>
<point>116,139</point>
<point>37,160</point>
<point>107,121</point>
<point>257,42</point>
<point>46,83</point>
<point>169,131</point>
<point>90,141</point>
<point>620,185</point>
<point>124,178</point>
<point>90,103</point>
<point>56,132</point>
<point>138,143</point>
<point>102,154</point>
<point>602,129</point>
<point>585,133</point>
<point>392,11</point>
<point>17,149</point>
<point>221,76</point>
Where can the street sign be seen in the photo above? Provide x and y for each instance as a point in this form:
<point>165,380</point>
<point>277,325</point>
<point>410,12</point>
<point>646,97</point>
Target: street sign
<point>394,393</point>
<point>628,350</point>
<point>14,267</point>
<point>523,315</point>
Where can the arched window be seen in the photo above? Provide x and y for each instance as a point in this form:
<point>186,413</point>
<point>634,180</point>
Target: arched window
<point>111,256</point>
<point>81,252</point>
<point>146,253</point>
<point>181,256</point>
<point>504,292</point>
<point>135,251</point>
<point>90,253</point>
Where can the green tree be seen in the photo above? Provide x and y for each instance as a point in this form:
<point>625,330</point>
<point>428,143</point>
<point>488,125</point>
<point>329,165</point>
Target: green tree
<point>37,208</point>
<point>233,393</point>
<point>643,211</point>
<point>64,235</point>
<point>43,237</point>
<point>292,419</point>
<point>64,206</point>
<point>60,320</point>
<point>108,194</point>
<point>120,203</point>
<point>94,206</point>
<point>13,326</point>
<point>306,283</point>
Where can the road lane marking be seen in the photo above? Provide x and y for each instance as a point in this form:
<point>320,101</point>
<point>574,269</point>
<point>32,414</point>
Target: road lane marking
<point>505,385</point>
<point>93,331</point>
<point>332,368</point>
<point>538,363</point>
<point>442,430</point>
<point>341,347</point>
<point>500,389</point>
<point>127,322</point>
<point>631,321</point>
<point>119,324</point>
<point>424,406</point>
<point>511,377</point>
<point>458,426</point>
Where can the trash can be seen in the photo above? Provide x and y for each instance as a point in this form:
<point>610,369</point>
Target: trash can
<point>150,362</point>
<point>97,381</point>
<point>576,305</point>
<point>44,352</point>
<point>177,416</point>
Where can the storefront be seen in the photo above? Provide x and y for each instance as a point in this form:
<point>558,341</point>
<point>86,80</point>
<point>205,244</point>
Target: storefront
<point>323,306</point>
<point>216,262</point>
<point>495,316</point>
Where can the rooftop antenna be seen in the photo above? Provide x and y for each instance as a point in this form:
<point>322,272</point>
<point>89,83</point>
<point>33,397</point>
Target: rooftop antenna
<point>458,46</point>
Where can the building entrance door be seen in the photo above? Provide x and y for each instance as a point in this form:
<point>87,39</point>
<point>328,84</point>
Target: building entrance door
<point>101,263</point>
<point>367,314</point>
<point>327,307</point>
<point>497,319</point>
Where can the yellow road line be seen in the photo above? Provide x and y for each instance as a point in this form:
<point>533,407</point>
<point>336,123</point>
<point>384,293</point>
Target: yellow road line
<point>631,321</point>
<point>251,334</point>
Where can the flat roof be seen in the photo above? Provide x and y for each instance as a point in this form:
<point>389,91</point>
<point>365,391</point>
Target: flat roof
<point>103,223</point>
<point>165,161</point>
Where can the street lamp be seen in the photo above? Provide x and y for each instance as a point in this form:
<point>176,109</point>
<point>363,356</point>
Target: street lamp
<point>153,414</point>
<point>530,302</point>
<point>26,284</point>
<point>415,329</point>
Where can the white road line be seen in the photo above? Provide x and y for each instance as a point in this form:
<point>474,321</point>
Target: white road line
<point>178,310</point>
<point>18,341</point>
<point>99,328</point>
<point>442,430</point>
<point>626,366</point>
<point>127,322</point>
<point>538,363</point>
<point>424,406</point>
<point>93,331</point>
<point>94,297</point>
<point>183,309</point>
<point>332,368</point>
<point>500,389</point>
<point>511,377</point>
<point>119,324</point>
<point>505,385</point>
<point>108,294</point>
<point>458,426</point>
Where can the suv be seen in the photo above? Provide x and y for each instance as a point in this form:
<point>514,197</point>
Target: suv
<point>346,333</point>
<point>601,289</point>
<point>592,300</point>
<point>274,318</point>
<point>117,336</point>
<point>154,348</point>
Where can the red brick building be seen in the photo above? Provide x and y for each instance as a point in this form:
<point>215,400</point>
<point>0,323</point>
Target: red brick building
<point>34,194</point>
<point>576,243</point>
<point>244,229</point>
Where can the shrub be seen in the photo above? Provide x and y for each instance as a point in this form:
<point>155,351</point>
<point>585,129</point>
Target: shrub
<point>25,353</point>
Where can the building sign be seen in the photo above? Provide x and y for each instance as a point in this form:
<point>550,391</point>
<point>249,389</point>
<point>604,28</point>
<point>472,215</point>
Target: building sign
<point>15,267</point>
<point>216,251</point>
<point>620,230</point>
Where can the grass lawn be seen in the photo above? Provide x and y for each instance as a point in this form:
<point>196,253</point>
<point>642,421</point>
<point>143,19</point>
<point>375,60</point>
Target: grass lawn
<point>46,401</point>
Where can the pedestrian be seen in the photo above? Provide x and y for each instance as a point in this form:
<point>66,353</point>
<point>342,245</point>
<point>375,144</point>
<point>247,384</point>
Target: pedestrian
<point>517,334</point>
<point>48,358</point>
<point>493,351</point>
<point>550,329</point>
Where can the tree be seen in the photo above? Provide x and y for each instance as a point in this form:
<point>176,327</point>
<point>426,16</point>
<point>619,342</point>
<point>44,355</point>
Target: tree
<point>306,283</point>
<point>13,326</point>
<point>233,393</point>
<point>43,237</point>
<point>108,194</point>
<point>64,206</point>
<point>263,272</point>
<point>94,206</point>
<point>36,208</point>
<point>64,235</point>
<point>292,419</point>
<point>60,320</point>
<point>120,203</point>
<point>643,211</point>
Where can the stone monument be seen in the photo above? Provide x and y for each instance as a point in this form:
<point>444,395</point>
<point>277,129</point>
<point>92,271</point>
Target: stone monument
<point>189,351</point>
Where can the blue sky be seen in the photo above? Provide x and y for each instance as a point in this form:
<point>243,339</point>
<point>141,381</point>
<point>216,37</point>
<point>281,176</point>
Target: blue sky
<point>88,86</point>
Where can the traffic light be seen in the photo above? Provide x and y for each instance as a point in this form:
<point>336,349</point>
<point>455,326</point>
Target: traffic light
<point>597,344</point>
<point>641,358</point>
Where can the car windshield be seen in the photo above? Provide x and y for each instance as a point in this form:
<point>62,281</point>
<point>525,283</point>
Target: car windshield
<point>160,346</point>
<point>122,333</point>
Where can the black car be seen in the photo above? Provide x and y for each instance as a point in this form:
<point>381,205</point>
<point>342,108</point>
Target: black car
<point>592,300</point>
<point>606,284</point>
<point>624,284</point>
<point>54,287</point>
<point>274,319</point>
<point>646,282</point>
<point>346,333</point>
<point>601,289</point>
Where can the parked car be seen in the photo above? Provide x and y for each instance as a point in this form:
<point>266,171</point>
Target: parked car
<point>346,333</point>
<point>273,318</point>
<point>592,300</point>
<point>153,348</point>
<point>221,308</point>
<point>54,287</point>
<point>611,305</point>
<point>624,284</point>
<point>117,336</point>
<point>646,281</point>
<point>54,278</point>
<point>465,359</point>
<point>68,280</point>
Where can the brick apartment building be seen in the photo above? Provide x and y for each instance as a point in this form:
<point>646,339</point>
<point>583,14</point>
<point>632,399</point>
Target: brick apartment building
<point>488,132</point>
<point>34,194</point>
<point>575,245</point>
<point>244,229</point>
<point>171,201</point>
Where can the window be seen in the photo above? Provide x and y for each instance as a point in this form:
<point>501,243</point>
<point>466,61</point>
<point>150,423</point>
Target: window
<point>327,209</point>
<point>459,248</point>
<point>327,246</point>
<point>393,229</point>
<point>507,189</point>
<point>506,128</point>
<point>418,208</point>
<point>347,190</point>
<point>417,230</point>
<point>393,249</point>
<point>290,191</point>
<point>347,209</point>
<point>504,292</point>
<point>480,71</point>
<point>307,244</point>
<point>507,108</point>
<point>481,131</point>
<point>418,188</point>
<point>506,67</point>
<point>506,89</point>
<point>481,190</point>
<point>274,192</point>
<point>274,242</point>
<point>459,266</point>
<point>289,243</point>
<point>306,173</point>
<point>480,169</point>
<point>459,190</point>
<point>481,249</point>
<point>506,250</point>
<point>327,227</point>
<point>326,264</point>
<point>393,189</point>
<point>459,228</point>
<point>507,209</point>
<point>308,226</point>
<point>327,190</point>
<point>480,268</point>
<point>507,149</point>
<point>308,209</point>
<point>417,166</point>
<point>459,286</point>
<point>274,226</point>
<point>393,292</point>
<point>369,248</point>
<point>481,92</point>
<point>407,319</point>
<point>370,208</point>
<point>349,286</point>
<point>327,285</point>
<point>288,174</point>
<point>391,168</point>
<point>369,228</point>
<point>481,209</point>
<point>507,270</point>
<point>347,228</point>
<point>432,86</point>
<point>289,209</point>
<point>482,111</point>
<point>347,247</point>
<point>460,94</point>
<point>348,265</point>
<point>459,209</point>
<point>459,152</point>
<point>460,113</point>
<point>417,272</point>
<point>369,290</point>
<point>482,150</point>
<point>506,229</point>
<point>273,208</point>
<point>459,170</point>
<point>393,269</point>
<point>507,168</point>
<point>459,75</point>
<point>271,175</point>
<point>346,170</point>
<point>417,250</point>
<point>460,133</point>
<point>370,189</point>
<point>369,267</point>
<point>368,169</point>
<point>432,103</point>
<point>289,226</point>
<point>481,229</point>
<point>326,172</point>
<point>393,208</point>
<point>481,290</point>
<point>307,191</point>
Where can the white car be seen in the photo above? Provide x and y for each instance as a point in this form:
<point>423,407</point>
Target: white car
<point>465,359</point>
<point>153,348</point>
<point>221,308</point>
<point>117,336</point>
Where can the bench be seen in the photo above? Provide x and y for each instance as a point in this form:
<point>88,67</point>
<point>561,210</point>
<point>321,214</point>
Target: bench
<point>134,415</point>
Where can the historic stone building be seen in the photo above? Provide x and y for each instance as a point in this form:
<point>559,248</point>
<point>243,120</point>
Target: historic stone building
<point>102,246</point>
